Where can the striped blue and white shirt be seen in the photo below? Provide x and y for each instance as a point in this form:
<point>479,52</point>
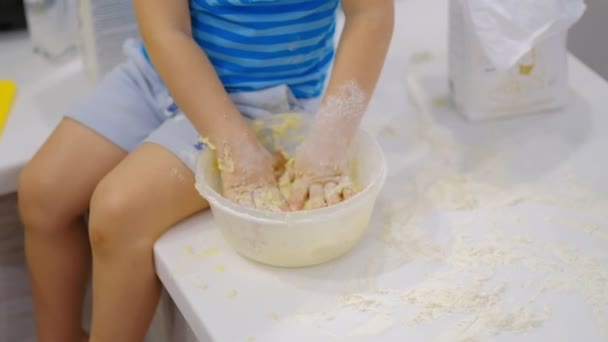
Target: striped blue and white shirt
<point>257,44</point>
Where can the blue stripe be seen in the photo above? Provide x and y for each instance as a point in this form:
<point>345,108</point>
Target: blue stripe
<point>258,8</point>
<point>296,92</point>
<point>261,40</point>
<point>245,3</point>
<point>145,52</point>
<point>305,87</point>
<point>300,90</point>
<point>237,81</point>
<point>206,40</point>
<point>284,50</point>
<point>246,22</point>
<point>302,93</point>
<point>270,72</point>
<point>253,2</point>
<point>233,80</point>
<point>266,18</point>
<point>261,28</point>
<point>247,61</point>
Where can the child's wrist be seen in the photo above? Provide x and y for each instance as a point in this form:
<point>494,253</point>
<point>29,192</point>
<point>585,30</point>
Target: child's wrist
<point>331,137</point>
<point>242,149</point>
<point>229,132</point>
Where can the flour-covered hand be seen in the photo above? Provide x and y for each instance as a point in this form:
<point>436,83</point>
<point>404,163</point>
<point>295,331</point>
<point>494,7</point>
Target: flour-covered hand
<point>316,177</point>
<point>248,176</point>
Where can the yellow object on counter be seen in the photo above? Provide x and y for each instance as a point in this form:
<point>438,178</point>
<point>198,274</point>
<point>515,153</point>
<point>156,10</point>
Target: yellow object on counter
<point>8,89</point>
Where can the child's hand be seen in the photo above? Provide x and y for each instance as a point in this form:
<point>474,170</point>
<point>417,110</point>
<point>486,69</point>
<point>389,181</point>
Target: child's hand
<point>317,177</point>
<point>248,177</point>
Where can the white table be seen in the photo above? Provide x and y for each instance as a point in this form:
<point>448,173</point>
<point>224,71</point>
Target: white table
<point>519,187</point>
<point>538,180</point>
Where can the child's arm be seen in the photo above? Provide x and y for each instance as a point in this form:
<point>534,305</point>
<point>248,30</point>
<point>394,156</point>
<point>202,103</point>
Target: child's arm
<point>359,61</point>
<point>166,30</point>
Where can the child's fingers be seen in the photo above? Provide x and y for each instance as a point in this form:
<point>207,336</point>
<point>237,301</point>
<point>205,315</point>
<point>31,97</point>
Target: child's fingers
<point>246,199</point>
<point>285,183</point>
<point>284,206</point>
<point>260,199</point>
<point>282,201</point>
<point>348,190</point>
<point>316,196</point>
<point>332,193</point>
<point>299,192</point>
<point>230,194</point>
<point>269,198</point>
<point>280,159</point>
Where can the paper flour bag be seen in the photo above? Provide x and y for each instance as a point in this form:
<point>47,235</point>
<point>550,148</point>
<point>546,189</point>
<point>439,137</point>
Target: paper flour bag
<point>509,57</point>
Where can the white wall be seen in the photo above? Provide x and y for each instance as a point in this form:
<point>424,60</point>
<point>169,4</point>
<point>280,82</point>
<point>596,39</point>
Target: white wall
<point>588,39</point>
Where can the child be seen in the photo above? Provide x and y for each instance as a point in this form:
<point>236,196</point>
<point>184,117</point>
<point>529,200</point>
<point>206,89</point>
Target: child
<point>125,151</point>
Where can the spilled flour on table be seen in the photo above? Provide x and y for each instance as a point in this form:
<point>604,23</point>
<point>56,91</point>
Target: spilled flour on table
<point>193,256</point>
<point>375,325</point>
<point>209,252</point>
<point>470,289</point>
<point>472,250</point>
<point>494,322</point>
<point>198,282</point>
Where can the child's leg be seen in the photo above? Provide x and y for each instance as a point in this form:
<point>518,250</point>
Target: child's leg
<point>132,207</point>
<point>54,191</point>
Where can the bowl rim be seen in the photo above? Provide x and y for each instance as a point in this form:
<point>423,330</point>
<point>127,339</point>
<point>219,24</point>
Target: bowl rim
<point>215,199</point>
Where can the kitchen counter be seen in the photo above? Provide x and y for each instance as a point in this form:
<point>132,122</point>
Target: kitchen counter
<point>483,231</point>
<point>493,230</point>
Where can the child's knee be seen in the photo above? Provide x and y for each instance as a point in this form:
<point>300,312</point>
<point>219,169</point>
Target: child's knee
<point>113,220</point>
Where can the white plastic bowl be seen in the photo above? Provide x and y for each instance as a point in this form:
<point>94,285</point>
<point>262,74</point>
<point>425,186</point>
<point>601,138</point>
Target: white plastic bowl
<point>304,238</point>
